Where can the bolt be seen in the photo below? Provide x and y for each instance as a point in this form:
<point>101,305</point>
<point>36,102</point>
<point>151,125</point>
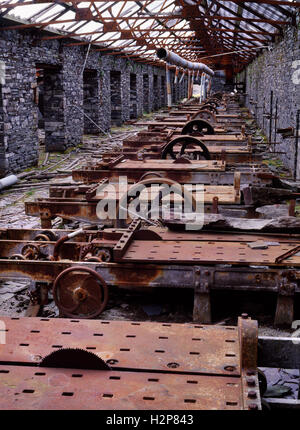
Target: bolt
<point>250,372</point>
<point>197,271</point>
<point>250,382</point>
<point>252,394</point>
<point>173,365</point>
<point>207,273</point>
<point>244,316</point>
<point>252,406</point>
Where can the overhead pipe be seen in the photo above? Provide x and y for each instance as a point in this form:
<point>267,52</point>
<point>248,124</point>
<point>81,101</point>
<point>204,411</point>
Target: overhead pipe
<point>172,58</point>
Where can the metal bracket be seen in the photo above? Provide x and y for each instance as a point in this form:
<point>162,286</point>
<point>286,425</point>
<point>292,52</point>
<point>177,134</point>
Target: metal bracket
<point>202,307</point>
<point>284,314</point>
<point>124,241</point>
<point>91,193</point>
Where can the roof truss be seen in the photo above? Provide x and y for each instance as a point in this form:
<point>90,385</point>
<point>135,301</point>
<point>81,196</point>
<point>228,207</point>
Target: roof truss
<point>225,33</point>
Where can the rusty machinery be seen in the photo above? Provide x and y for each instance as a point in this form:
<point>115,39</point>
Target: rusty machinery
<point>183,170</point>
<point>207,134</point>
<point>211,110</point>
<point>154,144</point>
<point>222,194</point>
<point>80,267</point>
<point>196,138</point>
<point>128,365</point>
<point>80,202</point>
<point>100,364</point>
<point>199,121</point>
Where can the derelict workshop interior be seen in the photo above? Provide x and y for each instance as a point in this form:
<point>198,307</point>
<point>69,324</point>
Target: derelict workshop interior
<point>149,205</point>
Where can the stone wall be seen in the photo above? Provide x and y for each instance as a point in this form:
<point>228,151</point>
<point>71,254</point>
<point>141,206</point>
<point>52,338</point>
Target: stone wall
<point>146,93</point>
<point>218,81</point>
<point>69,94</point>
<point>277,69</point>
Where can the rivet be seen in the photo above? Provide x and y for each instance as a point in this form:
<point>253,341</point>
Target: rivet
<point>244,316</point>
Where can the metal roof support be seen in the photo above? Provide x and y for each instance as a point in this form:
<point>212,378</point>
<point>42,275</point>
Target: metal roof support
<point>169,90</point>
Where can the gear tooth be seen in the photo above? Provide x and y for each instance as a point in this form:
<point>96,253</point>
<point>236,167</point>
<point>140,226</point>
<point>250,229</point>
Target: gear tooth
<point>74,358</point>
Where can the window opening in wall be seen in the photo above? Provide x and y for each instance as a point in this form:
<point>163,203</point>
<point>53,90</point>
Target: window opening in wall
<point>155,93</point>
<point>51,107</point>
<point>163,91</point>
<point>133,96</point>
<point>91,101</point>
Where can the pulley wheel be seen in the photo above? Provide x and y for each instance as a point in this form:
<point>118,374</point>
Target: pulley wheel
<point>184,141</point>
<point>205,114</point>
<point>80,292</point>
<point>197,126</point>
<point>47,236</point>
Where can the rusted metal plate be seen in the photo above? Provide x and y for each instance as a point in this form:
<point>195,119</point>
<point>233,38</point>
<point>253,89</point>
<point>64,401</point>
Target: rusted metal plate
<point>112,235</point>
<point>217,149</point>
<point>224,138</point>
<point>192,110</point>
<point>210,141</point>
<point>240,244</point>
<point>230,155</point>
<point>226,193</point>
<point>80,210</point>
<point>234,157</point>
<point>167,234</point>
<point>205,252</point>
<point>170,165</point>
<point>86,211</point>
<point>94,173</point>
<point>209,368</point>
<point>61,206</point>
<point>178,123</point>
<point>29,388</point>
<point>153,275</point>
<point>19,242</point>
<point>188,348</point>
